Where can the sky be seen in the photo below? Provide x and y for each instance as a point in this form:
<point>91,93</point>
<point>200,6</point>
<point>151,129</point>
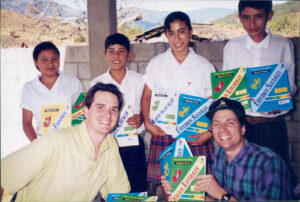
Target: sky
<point>166,5</point>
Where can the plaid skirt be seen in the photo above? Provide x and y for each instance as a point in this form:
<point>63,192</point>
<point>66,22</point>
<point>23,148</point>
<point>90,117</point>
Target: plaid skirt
<point>158,144</point>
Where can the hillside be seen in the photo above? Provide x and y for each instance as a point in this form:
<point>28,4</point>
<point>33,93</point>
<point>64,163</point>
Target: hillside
<point>285,21</point>
<point>18,29</point>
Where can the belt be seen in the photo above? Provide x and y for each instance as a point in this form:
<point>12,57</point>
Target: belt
<point>255,120</point>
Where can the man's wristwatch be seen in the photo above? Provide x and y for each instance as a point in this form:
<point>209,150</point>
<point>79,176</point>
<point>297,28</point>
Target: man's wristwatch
<point>226,197</point>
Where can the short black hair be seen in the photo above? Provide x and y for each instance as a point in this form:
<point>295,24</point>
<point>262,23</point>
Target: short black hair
<point>46,45</point>
<point>106,88</point>
<point>258,4</point>
<point>225,103</point>
<point>177,15</point>
<point>117,38</point>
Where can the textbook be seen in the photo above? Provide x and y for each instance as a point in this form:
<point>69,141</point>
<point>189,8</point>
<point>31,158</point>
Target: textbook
<point>231,84</point>
<point>125,134</point>
<point>183,172</point>
<point>77,109</point>
<point>269,88</point>
<point>163,110</point>
<point>191,119</point>
<point>113,197</point>
<point>126,197</point>
<point>180,148</point>
<point>55,116</point>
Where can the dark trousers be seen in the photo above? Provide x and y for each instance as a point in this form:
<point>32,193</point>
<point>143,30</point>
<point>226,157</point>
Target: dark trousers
<point>134,161</point>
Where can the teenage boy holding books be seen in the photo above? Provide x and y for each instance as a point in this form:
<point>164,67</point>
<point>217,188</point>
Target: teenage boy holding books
<point>131,84</point>
<point>260,48</point>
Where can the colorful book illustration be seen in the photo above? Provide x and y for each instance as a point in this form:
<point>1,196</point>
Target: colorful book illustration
<point>191,119</point>
<point>55,116</point>
<point>163,110</point>
<point>126,197</point>
<point>269,88</point>
<point>113,197</point>
<point>125,134</point>
<point>180,148</point>
<point>77,109</point>
<point>231,84</point>
<point>183,173</point>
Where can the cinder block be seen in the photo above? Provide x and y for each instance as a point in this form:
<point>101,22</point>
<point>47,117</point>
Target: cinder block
<point>210,50</point>
<point>10,55</point>
<point>160,47</point>
<point>293,128</point>
<point>218,64</point>
<point>142,52</point>
<point>85,84</point>
<point>71,68</point>
<point>133,66</point>
<point>142,67</point>
<point>295,157</point>
<point>10,86</point>
<point>84,71</point>
<point>9,72</point>
<point>77,54</point>
<point>9,100</point>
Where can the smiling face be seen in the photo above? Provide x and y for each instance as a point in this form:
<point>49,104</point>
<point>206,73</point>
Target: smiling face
<point>255,22</point>
<point>47,62</point>
<point>179,36</point>
<point>116,56</point>
<point>103,114</point>
<point>227,131</point>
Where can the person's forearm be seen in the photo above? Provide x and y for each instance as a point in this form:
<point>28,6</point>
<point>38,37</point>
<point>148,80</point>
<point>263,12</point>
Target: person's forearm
<point>30,132</point>
<point>145,106</point>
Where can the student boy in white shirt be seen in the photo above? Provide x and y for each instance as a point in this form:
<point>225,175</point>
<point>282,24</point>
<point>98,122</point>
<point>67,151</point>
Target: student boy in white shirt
<point>260,48</point>
<point>131,84</point>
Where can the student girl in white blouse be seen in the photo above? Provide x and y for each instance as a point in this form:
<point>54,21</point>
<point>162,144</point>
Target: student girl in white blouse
<point>50,87</point>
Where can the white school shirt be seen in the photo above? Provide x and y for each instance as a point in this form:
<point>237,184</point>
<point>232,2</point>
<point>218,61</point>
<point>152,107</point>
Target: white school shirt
<point>193,76</point>
<point>132,87</point>
<point>35,94</point>
<point>274,49</point>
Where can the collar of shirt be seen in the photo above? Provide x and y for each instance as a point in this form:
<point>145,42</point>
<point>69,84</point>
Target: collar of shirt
<point>264,43</point>
<point>39,84</point>
<point>112,79</point>
<point>87,143</point>
<point>191,53</point>
<point>239,157</point>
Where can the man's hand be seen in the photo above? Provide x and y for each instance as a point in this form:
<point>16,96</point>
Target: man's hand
<point>208,184</point>
<point>165,184</point>
<point>135,121</point>
<point>155,130</point>
<point>202,138</point>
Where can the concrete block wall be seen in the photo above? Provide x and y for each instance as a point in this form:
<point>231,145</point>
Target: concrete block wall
<point>17,68</point>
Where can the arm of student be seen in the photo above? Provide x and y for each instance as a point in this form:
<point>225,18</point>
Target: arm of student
<point>27,117</point>
<point>135,121</point>
<point>145,105</point>
<point>202,138</point>
<point>209,184</point>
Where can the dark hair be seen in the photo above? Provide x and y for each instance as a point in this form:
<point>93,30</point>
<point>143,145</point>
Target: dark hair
<point>106,88</point>
<point>225,103</point>
<point>177,15</point>
<point>117,38</point>
<point>258,4</point>
<point>46,45</point>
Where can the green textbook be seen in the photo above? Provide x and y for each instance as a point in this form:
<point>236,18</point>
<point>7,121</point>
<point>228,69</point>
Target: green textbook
<point>77,109</point>
<point>231,84</point>
<point>184,170</point>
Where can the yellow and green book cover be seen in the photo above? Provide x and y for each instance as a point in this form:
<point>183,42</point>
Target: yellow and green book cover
<point>183,173</point>
<point>55,116</point>
<point>77,109</point>
<point>231,84</point>
<point>124,197</point>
